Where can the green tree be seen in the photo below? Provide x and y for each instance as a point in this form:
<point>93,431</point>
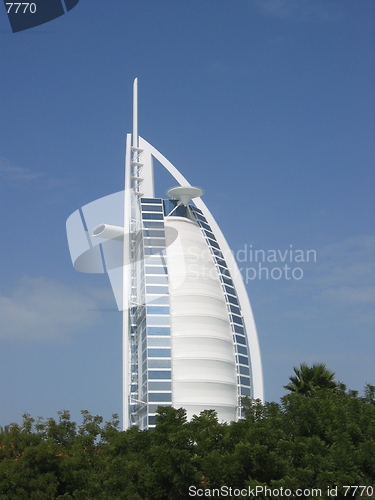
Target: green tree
<point>369,394</point>
<point>171,469</point>
<point>330,439</point>
<point>308,380</point>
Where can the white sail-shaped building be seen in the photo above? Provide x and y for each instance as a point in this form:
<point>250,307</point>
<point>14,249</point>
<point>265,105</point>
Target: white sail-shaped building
<point>189,337</point>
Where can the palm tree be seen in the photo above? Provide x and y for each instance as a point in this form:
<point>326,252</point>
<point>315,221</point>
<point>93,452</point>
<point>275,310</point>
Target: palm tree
<point>310,379</point>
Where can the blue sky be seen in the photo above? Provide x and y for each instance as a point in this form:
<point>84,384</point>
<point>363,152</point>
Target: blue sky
<point>268,105</point>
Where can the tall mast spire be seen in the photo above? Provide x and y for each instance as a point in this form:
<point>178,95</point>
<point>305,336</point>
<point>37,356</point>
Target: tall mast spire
<point>135,114</point>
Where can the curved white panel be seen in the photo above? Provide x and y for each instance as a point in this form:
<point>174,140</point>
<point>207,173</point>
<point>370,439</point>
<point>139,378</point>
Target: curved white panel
<point>204,367</point>
<point>85,258</point>
<point>254,350</point>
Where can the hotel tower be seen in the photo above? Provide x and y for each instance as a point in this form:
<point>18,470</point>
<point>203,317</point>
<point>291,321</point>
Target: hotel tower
<point>189,337</point>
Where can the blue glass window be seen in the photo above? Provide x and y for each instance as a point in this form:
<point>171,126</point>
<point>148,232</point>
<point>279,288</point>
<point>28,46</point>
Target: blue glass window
<point>161,397</point>
<point>152,208</point>
<point>161,299</point>
<point>152,408</point>
<point>245,381</point>
<point>237,319</point>
<point>240,340</point>
<point>244,370</point>
<point>153,250</point>
<point>157,310</point>
<point>218,254</point>
<point>230,289</point>
<point>235,310</point>
<point>213,244</point>
<point>154,233</point>
<point>159,353</point>
<point>159,341</point>
<point>152,216</point>
<point>232,300</point>
<point>156,242</point>
<point>160,386</point>
<point>242,349</point>
<point>157,280</point>
<point>170,205</point>
<point>156,270</point>
<point>156,260</point>
<point>221,262</point>
<point>196,209</point>
<point>159,374</point>
<point>224,271</point>
<point>200,217</point>
<point>243,360</point>
<point>245,391</point>
<point>205,226</point>
<point>156,289</point>
<point>152,420</point>
<point>158,321</point>
<point>210,235</point>
<point>158,330</point>
<point>238,329</point>
<point>150,200</point>
<point>147,223</point>
<point>159,363</point>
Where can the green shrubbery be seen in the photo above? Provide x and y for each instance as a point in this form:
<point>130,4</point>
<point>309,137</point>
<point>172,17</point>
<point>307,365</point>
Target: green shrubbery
<point>314,439</point>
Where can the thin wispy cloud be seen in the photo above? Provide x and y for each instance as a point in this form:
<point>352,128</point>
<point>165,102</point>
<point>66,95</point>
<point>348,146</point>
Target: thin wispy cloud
<point>328,316</point>
<point>350,295</point>
<point>12,173</point>
<point>340,284</point>
<point>21,177</point>
<point>346,271</point>
<point>39,310</point>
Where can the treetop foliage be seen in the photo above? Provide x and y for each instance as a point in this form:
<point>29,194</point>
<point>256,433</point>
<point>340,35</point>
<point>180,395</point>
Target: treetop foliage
<point>309,380</point>
<point>315,438</point>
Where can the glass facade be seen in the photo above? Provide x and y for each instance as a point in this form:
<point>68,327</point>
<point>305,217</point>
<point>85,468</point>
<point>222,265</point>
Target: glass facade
<point>151,383</point>
<point>234,310</point>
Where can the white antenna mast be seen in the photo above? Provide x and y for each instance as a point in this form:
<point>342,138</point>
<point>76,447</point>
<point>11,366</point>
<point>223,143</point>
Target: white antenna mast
<point>135,114</point>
